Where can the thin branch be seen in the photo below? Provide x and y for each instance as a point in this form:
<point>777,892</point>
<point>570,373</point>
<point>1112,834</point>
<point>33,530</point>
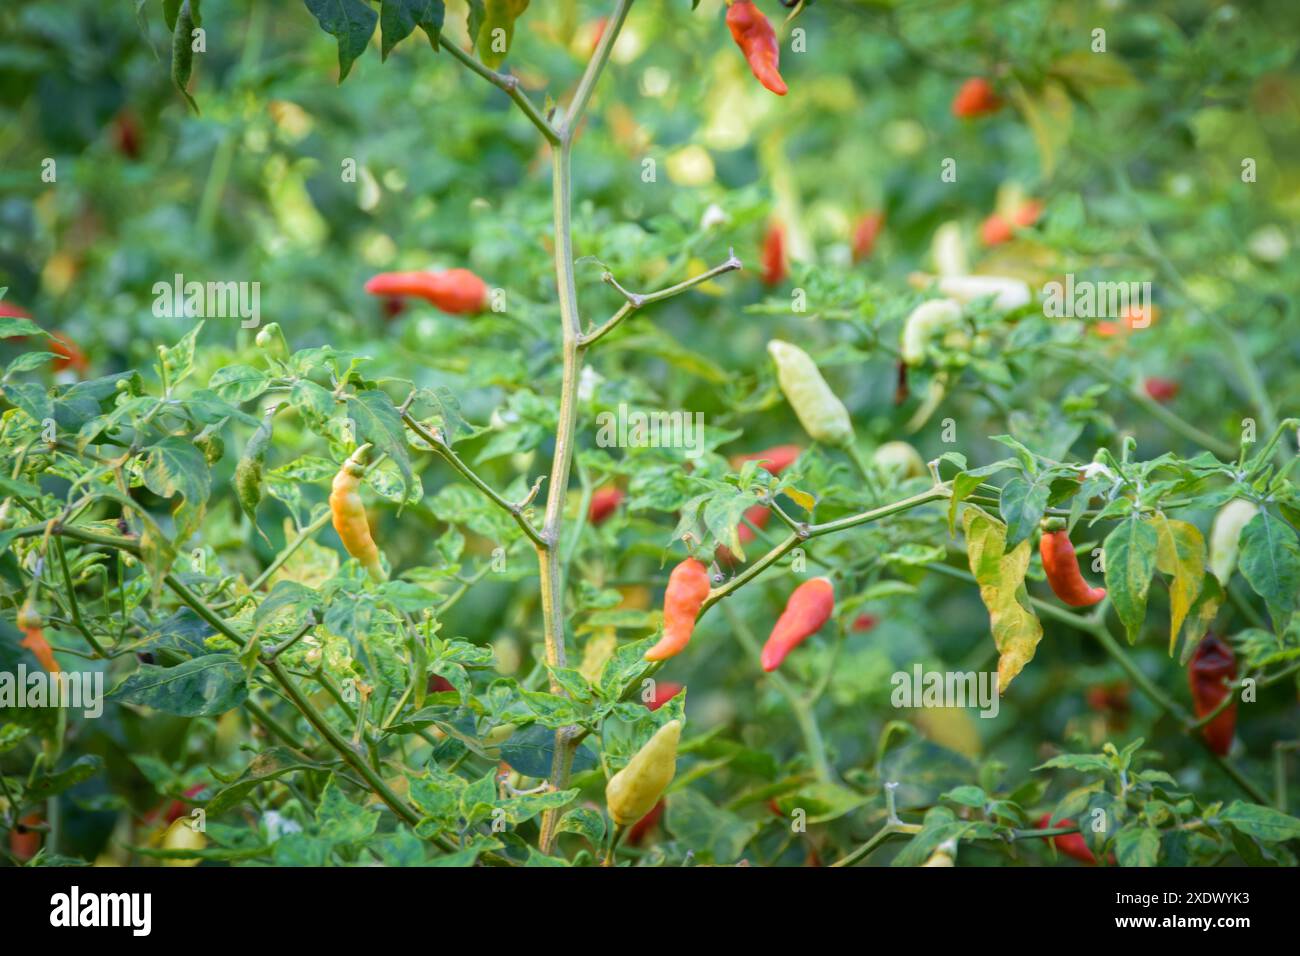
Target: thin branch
<point>508,83</point>
<point>443,449</point>
<point>636,301</point>
<point>578,105</point>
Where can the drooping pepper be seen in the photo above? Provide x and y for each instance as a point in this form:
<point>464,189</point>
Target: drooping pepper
<point>756,38</point>
<point>688,586</point>
<point>865,234</point>
<point>1225,536</point>
<point>604,502</point>
<point>808,608</point>
<point>349,514</point>
<point>456,291</point>
<point>1072,845</point>
<point>665,690</point>
<point>29,621</point>
<point>633,791</point>
<point>775,268</point>
<point>922,324</point>
<point>1212,666</point>
<point>975,98</point>
<point>1062,567</point>
<point>821,413</point>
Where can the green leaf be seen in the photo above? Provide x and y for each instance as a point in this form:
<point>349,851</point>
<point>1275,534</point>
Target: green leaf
<point>350,22</point>
<point>1022,505</point>
<point>264,767</point>
<point>498,29</point>
<point>1181,556</point>
<point>585,822</point>
<point>397,18</point>
<point>714,834</point>
<point>1137,846</point>
<point>1130,563</point>
<point>202,687</point>
<point>183,53</point>
<point>1260,823</point>
<point>1270,563</point>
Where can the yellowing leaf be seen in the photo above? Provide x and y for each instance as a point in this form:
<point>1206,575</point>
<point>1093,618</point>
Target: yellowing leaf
<point>801,498</point>
<point>1050,115</point>
<point>1001,578</point>
<point>1180,554</point>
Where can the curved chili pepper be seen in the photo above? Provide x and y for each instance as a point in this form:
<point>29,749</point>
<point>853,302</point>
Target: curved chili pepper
<point>688,586</point>
<point>756,38</point>
<point>1072,845</point>
<point>1213,664</point>
<point>1062,569</point>
<point>456,291</point>
<point>349,515</point>
<point>809,607</point>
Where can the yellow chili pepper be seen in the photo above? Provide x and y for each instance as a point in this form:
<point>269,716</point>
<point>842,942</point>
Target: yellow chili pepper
<point>634,790</point>
<point>349,514</point>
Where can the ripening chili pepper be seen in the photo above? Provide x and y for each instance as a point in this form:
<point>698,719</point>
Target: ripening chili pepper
<point>1212,666</point>
<point>688,586</point>
<point>1225,536</point>
<point>1072,845</point>
<point>1007,293</point>
<point>24,843</point>
<point>975,98</point>
<point>775,269</point>
<point>349,514</point>
<point>1161,389</point>
<point>899,460</point>
<point>633,791</point>
<point>182,836</point>
<point>1062,567</point>
<point>809,607</point>
<point>1134,317</point>
<point>665,690</point>
<point>604,502</point>
<point>773,460</point>
<point>756,38</point>
<point>456,291</point>
<point>638,831</point>
<point>437,684</point>
<point>822,415</point>
<point>865,234</point>
<point>68,355</point>
<point>865,622</point>
<point>126,134</point>
<point>30,623</point>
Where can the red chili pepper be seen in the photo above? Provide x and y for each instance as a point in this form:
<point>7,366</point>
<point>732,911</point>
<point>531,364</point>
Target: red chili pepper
<point>975,98</point>
<point>1072,845</point>
<point>69,355</point>
<point>756,38</point>
<point>865,622</point>
<point>126,134</point>
<point>456,291</point>
<point>808,608</point>
<point>774,264</point>
<point>1062,569</point>
<point>1213,664</point>
<point>665,690</point>
<point>1161,389</point>
<point>774,460</point>
<point>638,831</point>
<point>437,684</point>
<point>23,843</point>
<point>998,229</point>
<point>865,234</point>
<point>176,808</point>
<point>11,311</point>
<point>688,586</point>
<point>604,502</point>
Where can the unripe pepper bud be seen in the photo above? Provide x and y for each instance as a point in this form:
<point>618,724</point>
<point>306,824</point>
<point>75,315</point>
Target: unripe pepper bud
<point>688,586</point>
<point>809,607</point>
<point>633,791</point>
<point>821,413</point>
